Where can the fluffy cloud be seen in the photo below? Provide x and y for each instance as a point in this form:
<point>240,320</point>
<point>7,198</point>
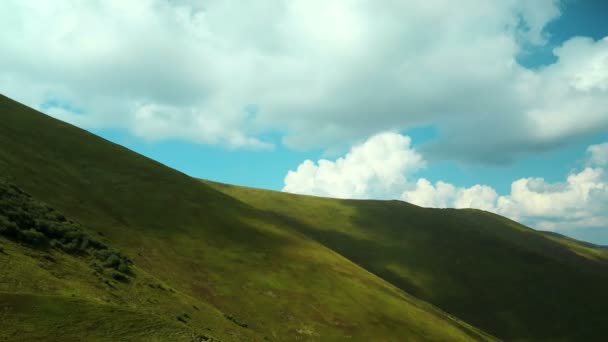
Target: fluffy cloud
<point>384,166</point>
<point>316,70</point>
<point>446,195</point>
<point>376,168</point>
<point>441,195</point>
<point>580,201</point>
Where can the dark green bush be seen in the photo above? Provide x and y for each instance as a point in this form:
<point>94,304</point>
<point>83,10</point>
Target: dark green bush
<point>119,276</point>
<point>8,228</point>
<point>123,268</point>
<point>33,237</point>
<point>113,261</point>
<point>36,224</point>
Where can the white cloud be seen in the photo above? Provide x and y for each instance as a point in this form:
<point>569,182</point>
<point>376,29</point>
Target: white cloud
<point>151,120</point>
<point>580,201</point>
<point>446,195</point>
<point>385,166</point>
<point>477,196</point>
<point>571,200</point>
<point>425,194</point>
<point>319,71</point>
<point>376,168</point>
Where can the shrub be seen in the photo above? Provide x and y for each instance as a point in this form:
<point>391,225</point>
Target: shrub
<point>36,224</point>
<point>60,217</point>
<point>113,261</point>
<point>69,247</point>
<point>84,244</point>
<point>33,237</point>
<point>8,228</point>
<point>119,276</point>
<point>123,268</point>
<point>102,254</point>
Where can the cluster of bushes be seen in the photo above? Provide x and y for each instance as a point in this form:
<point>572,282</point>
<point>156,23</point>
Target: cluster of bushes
<point>26,220</point>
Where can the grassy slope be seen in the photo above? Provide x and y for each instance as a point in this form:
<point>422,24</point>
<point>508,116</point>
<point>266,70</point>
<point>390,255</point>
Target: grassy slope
<point>34,317</point>
<point>206,248</point>
<point>512,281</point>
<point>50,295</point>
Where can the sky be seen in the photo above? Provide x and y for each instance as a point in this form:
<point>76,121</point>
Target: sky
<point>498,105</point>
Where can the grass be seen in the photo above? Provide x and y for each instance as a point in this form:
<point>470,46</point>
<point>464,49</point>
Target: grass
<point>34,317</point>
<point>49,275</point>
<point>235,263</point>
<point>507,279</point>
<point>203,262</point>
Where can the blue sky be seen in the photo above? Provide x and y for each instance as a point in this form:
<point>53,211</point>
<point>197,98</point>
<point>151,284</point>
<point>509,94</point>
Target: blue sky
<point>267,169</point>
<point>579,18</point>
<point>496,105</point>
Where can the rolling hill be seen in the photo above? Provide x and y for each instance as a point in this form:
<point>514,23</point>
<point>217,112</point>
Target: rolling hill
<point>200,265</point>
<point>170,257</point>
<point>507,279</point>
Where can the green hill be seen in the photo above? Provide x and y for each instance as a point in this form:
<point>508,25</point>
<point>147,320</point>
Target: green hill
<point>99,243</point>
<point>509,280</point>
<point>168,258</point>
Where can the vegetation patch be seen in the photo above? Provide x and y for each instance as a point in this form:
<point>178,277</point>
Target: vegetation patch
<point>33,223</point>
<point>204,338</point>
<point>183,318</point>
<point>235,321</point>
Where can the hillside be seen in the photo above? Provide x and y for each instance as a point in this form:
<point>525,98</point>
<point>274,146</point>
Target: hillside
<point>509,280</point>
<point>194,264</point>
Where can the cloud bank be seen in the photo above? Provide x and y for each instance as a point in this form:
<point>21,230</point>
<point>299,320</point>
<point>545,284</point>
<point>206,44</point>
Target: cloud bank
<point>384,166</point>
<point>319,72</point>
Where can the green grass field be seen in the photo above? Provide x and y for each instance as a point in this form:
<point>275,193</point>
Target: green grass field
<point>214,261</point>
<point>509,280</point>
<point>191,246</point>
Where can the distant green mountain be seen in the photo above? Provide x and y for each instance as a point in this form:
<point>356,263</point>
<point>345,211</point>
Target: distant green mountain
<point>98,243</point>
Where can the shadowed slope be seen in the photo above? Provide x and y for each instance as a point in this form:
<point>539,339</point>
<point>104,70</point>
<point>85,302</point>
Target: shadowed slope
<point>510,280</point>
<point>192,247</point>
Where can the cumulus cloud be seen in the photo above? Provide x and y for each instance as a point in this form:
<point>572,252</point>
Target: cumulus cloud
<point>376,168</point>
<point>316,70</point>
<point>446,195</point>
<point>580,201</point>
<point>385,166</point>
<point>440,195</point>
